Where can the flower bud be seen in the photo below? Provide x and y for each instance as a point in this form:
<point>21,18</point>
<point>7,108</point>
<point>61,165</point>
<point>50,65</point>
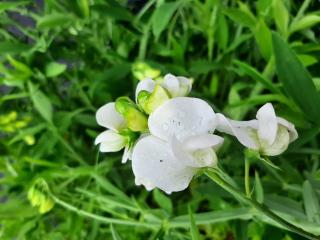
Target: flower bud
<point>156,98</point>
<point>136,120</point>
<point>142,70</point>
<point>39,196</point>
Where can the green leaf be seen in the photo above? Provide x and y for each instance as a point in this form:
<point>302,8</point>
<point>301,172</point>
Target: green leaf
<point>281,16</point>
<point>295,78</point>
<point>13,48</point>
<point>115,234</point>
<point>10,5</point>
<point>258,188</point>
<point>222,32</point>
<point>193,227</point>
<point>162,200</point>
<point>311,202</point>
<point>41,102</point>
<point>162,16</point>
<point>305,22</point>
<point>54,20</point>
<point>54,69</point>
<point>263,38</point>
<point>240,17</point>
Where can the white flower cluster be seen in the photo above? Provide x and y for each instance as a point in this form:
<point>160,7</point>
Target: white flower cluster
<point>169,136</point>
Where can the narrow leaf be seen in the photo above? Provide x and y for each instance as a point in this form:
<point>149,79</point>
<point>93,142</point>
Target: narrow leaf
<point>311,203</point>
<point>295,78</point>
<point>193,227</point>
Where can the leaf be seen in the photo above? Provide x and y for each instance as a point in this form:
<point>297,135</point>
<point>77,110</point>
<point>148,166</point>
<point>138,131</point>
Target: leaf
<point>162,16</point>
<point>305,22</point>
<point>295,78</point>
<point>311,202</point>
<point>54,20</point>
<point>222,32</point>
<point>115,234</point>
<point>255,75</point>
<point>84,7</point>
<point>10,5</point>
<point>13,48</point>
<point>258,188</point>
<point>240,17</point>
<point>281,16</point>
<point>193,227</point>
<point>263,38</point>
<point>54,69</point>
<point>162,200</point>
<point>41,102</point>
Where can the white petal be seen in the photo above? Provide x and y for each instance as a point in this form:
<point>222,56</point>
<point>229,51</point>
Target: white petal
<point>195,157</point>
<point>268,124</point>
<point>147,84</point>
<point>110,141</point>
<point>293,134</point>
<point>203,141</point>
<point>153,164</point>
<point>185,85</point>
<point>171,83</point>
<point>108,117</point>
<point>127,154</point>
<point>280,144</point>
<point>182,117</point>
<point>243,131</point>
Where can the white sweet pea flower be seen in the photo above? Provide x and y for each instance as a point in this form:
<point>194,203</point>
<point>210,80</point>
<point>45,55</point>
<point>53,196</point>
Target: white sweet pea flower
<point>180,143</point>
<point>268,134</point>
<point>111,140</point>
<point>176,86</point>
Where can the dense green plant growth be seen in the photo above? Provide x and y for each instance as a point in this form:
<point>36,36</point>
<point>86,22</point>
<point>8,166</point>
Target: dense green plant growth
<point>61,60</point>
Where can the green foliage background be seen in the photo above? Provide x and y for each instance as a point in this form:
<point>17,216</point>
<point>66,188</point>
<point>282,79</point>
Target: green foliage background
<point>61,60</point>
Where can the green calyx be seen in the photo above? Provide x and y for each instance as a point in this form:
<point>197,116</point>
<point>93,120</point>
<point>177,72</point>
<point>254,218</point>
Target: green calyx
<point>151,101</point>
<point>136,120</point>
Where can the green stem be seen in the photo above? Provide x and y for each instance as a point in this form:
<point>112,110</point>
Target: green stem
<point>213,175</point>
<point>247,177</point>
<point>104,219</point>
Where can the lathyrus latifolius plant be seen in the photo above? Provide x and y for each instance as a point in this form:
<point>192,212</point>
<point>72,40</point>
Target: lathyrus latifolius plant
<point>169,137</point>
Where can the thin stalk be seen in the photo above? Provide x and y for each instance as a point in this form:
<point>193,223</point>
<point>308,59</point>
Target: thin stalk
<point>260,207</point>
<point>247,177</point>
<point>104,219</point>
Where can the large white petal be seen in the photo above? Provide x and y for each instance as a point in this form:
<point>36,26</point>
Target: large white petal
<point>203,141</point>
<point>198,156</point>
<point>242,130</point>
<point>268,124</point>
<point>110,141</point>
<point>108,117</point>
<point>182,117</point>
<point>154,164</point>
<point>145,85</point>
<point>171,83</point>
<point>293,134</point>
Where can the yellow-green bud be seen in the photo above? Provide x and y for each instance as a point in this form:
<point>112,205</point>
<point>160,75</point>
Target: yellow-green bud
<point>136,120</point>
<point>142,71</point>
<point>157,98</point>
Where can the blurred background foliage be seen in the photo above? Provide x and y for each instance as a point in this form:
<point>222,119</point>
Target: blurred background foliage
<point>61,60</point>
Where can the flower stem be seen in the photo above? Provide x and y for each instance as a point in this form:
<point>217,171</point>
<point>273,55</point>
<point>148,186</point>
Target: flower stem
<point>213,175</point>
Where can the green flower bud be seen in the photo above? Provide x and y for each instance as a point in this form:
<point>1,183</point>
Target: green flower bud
<point>136,120</point>
<point>39,196</point>
<point>157,98</point>
<point>142,71</point>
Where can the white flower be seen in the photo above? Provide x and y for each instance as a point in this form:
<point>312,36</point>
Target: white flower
<point>111,140</point>
<point>176,86</point>
<point>268,134</point>
<point>180,143</point>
